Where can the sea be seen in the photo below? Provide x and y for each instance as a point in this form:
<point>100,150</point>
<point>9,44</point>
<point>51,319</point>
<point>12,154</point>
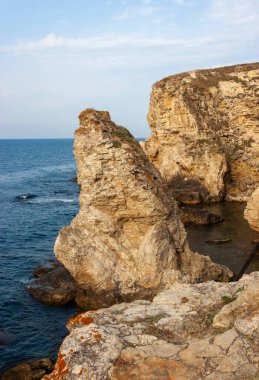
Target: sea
<point>37,198</point>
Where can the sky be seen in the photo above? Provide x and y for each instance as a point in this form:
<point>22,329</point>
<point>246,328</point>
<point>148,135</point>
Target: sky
<point>58,57</point>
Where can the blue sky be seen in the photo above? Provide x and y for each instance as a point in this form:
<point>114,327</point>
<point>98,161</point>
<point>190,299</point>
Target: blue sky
<point>59,57</point>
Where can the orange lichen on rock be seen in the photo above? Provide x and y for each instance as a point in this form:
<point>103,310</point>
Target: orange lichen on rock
<point>97,336</point>
<point>61,369</point>
<point>78,320</point>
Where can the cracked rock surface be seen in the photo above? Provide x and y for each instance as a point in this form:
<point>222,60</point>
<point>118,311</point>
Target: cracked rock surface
<point>188,332</point>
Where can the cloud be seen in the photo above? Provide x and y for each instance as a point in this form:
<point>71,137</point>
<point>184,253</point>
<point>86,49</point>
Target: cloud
<point>235,12</point>
<point>52,41</point>
<point>140,11</point>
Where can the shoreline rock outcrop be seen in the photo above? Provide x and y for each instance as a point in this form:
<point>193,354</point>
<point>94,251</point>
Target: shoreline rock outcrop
<point>252,210</point>
<point>32,370</point>
<point>191,331</point>
<point>53,284</point>
<point>204,133</point>
<point>127,241</point>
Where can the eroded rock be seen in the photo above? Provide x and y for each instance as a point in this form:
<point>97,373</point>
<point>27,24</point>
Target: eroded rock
<point>252,210</point>
<point>176,336</point>
<point>190,215</point>
<point>53,284</point>
<point>127,240</point>
<point>204,137</point>
<point>33,370</point>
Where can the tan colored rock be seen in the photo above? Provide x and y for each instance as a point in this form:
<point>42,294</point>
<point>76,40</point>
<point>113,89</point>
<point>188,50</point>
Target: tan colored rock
<point>144,340</point>
<point>252,210</point>
<point>245,306</point>
<point>155,369</point>
<point>127,240</point>
<point>205,133</point>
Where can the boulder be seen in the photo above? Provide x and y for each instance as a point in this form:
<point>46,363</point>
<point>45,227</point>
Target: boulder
<point>252,210</point>
<point>33,370</point>
<point>127,241</point>
<point>191,331</point>
<point>53,284</point>
<point>204,138</point>
<point>191,215</point>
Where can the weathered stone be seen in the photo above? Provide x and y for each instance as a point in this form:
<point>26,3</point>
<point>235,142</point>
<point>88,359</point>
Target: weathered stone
<point>204,137</point>
<point>225,339</point>
<point>154,369</point>
<point>91,350</point>
<point>139,340</point>
<point>243,306</point>
<point>127,240</point>
<point>53,285</point>
<point>252,210</point>
<point>34,370</point>
<point>191,215</point>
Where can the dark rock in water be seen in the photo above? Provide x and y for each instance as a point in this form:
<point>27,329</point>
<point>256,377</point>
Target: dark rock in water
<point>217,241</point>
<point>74,180</point>
<point>188,197</point>
<point>192,215</point>
<point>53,284</point>
<point>25,197</point>
<point>5,337</point>
<point>33,370</point>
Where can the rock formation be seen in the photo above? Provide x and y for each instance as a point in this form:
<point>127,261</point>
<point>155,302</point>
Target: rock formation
<point>205,138</point>
<point>252,210</point>
<point>33,370</point>
<point>201,331</point>
<point>127,241</point>
<point>53,284</point>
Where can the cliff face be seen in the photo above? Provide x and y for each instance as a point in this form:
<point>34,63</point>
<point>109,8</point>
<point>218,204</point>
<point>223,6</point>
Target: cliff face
<point>205,132</point>
<point>127,241</point>
<point>252,210</point>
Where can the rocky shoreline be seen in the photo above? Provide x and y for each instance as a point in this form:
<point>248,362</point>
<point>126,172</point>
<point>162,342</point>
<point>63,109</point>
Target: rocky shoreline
<point>199,331</point>
<point>158,310</point>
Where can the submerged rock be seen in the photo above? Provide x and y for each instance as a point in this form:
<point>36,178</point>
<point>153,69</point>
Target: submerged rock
<point>199,331</point>
<point>74,179</point>
<point>190,215</point>
<point>127,240</point>
<point>252,210</point>
<point>204,135</point>
<point>33,370</point>
<point>53,285</point>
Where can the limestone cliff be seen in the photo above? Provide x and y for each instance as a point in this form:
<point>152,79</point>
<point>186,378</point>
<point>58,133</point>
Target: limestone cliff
<point>205,132</point>
<point>127,241</point>
<point>252,210</point>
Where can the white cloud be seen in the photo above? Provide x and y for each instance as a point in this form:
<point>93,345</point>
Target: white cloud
<point>52,41</point>
<point>122,16</point>
<point>235,12</point>
<point>141,11</point>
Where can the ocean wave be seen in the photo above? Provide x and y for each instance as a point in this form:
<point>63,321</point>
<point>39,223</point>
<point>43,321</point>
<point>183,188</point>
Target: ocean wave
<point>21,175</point>
<point>55,200</point>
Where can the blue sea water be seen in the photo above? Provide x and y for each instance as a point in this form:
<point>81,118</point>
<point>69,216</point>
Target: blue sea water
<point>28,228</point>
<point>37,198</point>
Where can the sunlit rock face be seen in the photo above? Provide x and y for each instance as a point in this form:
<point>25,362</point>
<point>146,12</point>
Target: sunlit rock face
<point>252,210</point>
<point>127,240</point>
<point>205,133</point>
<point>189,332</point>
